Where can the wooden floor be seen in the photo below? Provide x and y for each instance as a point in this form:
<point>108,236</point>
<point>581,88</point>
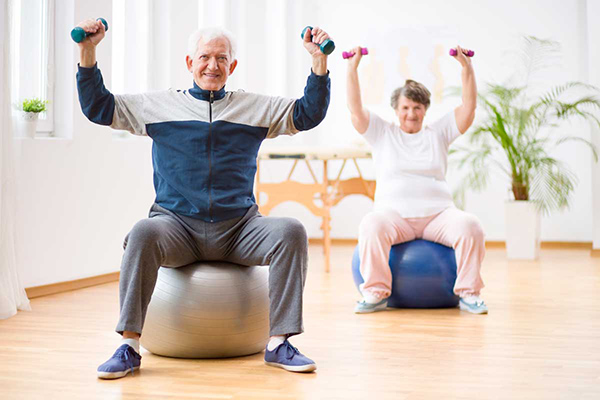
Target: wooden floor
<point>541,340</point>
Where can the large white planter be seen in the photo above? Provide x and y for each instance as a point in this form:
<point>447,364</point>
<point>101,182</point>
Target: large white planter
<point>29,123</point>
<point>523,223</point>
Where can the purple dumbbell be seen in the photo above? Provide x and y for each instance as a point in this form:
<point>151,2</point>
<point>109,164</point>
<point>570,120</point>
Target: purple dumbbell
<point>364,51</point>
<point>469,53</point>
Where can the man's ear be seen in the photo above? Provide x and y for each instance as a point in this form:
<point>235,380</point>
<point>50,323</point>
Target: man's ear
<point>232,67</point>
<point>188,62</point>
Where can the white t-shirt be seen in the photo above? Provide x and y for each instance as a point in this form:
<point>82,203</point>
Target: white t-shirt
<point>411,168</point>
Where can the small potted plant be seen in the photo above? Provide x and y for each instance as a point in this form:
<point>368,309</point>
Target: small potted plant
<point>31,110</point>
<point>517,137</point>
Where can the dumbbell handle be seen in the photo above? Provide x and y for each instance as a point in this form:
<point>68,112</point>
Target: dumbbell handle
<point>326,47</point>
<point>469,53</point>
<point>78,33</point>
<point>347,54</point>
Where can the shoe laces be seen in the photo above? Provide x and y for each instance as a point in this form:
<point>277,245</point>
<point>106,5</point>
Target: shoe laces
<point>290,350</point>
<point>123,353</point>
<point>364,303</point>
<point>474,300</point>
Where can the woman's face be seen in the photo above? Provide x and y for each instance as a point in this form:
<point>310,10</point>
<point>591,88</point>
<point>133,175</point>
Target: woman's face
<point>410,114</point>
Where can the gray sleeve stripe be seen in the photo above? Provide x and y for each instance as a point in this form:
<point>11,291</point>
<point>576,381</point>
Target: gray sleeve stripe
<point>133,112</point>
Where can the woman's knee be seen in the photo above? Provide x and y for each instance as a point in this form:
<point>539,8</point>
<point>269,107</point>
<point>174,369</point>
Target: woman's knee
<point>471,227</point>
<point>373,225</point>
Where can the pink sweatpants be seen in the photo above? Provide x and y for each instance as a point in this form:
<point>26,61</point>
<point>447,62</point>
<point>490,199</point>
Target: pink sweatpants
<point>379,230</point>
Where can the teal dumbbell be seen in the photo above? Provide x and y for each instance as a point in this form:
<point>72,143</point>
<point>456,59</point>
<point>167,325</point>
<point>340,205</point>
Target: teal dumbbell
<point>327,47</point>
<point>78,34</point>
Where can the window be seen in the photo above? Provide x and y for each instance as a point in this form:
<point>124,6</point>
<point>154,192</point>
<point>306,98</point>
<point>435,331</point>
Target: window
<point>130,41</point>
<point>33,56</point>
<point>130,32</point>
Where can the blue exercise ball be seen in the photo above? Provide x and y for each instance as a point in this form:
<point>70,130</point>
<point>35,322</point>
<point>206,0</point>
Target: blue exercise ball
<point>423,275</point>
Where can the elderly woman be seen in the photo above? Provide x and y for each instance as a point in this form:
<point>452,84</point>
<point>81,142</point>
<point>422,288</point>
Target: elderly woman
<point>413,200</point>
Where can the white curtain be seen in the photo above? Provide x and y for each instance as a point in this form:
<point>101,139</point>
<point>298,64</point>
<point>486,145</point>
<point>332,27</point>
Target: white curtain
<point>12,293</point>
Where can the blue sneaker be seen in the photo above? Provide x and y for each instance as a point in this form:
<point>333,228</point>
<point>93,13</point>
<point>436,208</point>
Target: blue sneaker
<point>362,307</point>
<point>289,358</point>
<point>473,304</point>
<point>125,360</point>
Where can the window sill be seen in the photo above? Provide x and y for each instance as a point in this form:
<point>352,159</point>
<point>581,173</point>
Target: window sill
<point>42,137</point>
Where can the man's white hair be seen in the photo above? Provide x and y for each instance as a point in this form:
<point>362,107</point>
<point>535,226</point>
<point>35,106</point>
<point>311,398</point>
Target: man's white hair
<point>208,34</point>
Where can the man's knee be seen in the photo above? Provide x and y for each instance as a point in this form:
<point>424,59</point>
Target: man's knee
<point>145,232</point>
<point>292,230</point>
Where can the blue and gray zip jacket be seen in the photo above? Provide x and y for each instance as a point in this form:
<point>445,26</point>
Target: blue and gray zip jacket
<point>205,143</point>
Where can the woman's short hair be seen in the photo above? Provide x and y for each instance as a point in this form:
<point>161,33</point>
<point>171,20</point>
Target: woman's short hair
<point>208,34</point>
<point>412,90</point>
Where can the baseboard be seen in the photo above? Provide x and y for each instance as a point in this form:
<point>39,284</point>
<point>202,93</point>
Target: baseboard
<point>339,242</point>
<point>545,245</point>
<point>490,244</point>
<point>495,244</point>
<point>567,245</point>
<point>60,287</point>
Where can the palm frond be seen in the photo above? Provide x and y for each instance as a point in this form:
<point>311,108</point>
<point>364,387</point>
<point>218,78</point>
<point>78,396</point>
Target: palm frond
<point>557,91</point>
<point>536,55</point>
<point>564,110</point>
<point>586,142</point>
<point>552,185</point>
<point>478,174</point>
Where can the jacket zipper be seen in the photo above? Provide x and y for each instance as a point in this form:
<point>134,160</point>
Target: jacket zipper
<point>212,97</point>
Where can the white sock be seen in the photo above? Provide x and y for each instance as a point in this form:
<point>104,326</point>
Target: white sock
<point>134,343</point>
<point>275,341</point>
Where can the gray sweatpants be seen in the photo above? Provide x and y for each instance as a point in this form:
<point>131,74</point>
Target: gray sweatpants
<point>170,240</point>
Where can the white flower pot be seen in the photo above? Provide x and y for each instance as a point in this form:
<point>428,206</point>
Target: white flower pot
<point>523,226</point>
<point>29,124</point>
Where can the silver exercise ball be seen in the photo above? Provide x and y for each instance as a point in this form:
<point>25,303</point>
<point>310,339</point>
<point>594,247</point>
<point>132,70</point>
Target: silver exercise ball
<point>208,310</point>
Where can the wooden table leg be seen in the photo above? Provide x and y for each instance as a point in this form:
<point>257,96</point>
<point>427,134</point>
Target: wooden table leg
<point>257,185</point>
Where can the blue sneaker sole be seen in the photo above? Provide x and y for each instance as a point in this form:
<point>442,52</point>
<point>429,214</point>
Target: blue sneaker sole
<point>294,368</point>
<point>115,375</point>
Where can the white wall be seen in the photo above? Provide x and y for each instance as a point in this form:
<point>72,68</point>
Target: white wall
<point>592,9</point>
<point>81,192</point>
<point>492,29</point>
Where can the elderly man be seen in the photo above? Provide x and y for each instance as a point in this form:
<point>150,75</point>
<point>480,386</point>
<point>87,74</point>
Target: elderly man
<point>205,144</point>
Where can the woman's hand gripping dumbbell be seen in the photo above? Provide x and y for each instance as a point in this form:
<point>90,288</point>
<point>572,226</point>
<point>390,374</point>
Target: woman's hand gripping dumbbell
<point>468,53</point>
<point>347,54</point>
<point>354,56</point>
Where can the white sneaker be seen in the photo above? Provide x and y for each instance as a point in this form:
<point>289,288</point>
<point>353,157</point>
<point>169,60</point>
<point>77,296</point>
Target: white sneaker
<point>362,307</point>
<point>473,304</point>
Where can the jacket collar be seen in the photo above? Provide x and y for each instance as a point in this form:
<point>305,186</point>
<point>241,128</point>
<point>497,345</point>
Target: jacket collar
<point>202,94</point>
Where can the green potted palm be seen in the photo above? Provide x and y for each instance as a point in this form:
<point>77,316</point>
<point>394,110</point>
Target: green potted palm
<point>31,109</point>
<point>516,137</point>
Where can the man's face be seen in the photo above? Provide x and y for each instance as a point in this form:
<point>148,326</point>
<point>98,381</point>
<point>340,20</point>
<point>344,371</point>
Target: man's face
<point>411,115</point>
<point>212,64</point>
